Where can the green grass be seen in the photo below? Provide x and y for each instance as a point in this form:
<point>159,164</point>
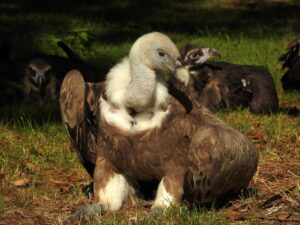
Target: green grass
<point>101,32</point>
<point>34,145</point>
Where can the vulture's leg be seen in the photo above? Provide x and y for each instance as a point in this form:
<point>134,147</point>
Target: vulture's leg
<point>169,192</point>
<point>110,190</point>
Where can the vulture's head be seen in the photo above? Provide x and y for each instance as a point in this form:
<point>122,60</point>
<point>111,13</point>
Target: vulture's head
<point>157,52</point>
<point>39,70</point>
<point>192,55</point>
<point>138,82</point>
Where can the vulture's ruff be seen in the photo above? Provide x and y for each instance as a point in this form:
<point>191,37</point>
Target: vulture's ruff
<point>194,155</point>
<point>117,115</point>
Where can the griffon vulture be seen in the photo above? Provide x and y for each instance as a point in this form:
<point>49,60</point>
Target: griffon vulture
<point>79,107</point>
<point>143,133</point>
<point>225,85</point>
<point>291,60</point>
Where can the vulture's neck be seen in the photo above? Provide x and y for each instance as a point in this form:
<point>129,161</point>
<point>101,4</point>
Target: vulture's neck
<point>135,86</point>
<point>140,93</point>
<point>138,88</point>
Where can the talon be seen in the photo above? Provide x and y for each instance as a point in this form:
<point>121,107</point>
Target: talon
<point>87,212</point>
<point>155,214</point>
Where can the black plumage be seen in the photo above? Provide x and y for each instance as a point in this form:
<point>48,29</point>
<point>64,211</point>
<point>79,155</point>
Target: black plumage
<point>225,85</point>
<point>291,60</point>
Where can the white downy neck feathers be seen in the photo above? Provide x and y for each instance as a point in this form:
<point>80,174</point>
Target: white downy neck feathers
<point>115,112</point>
<point>136,84</point>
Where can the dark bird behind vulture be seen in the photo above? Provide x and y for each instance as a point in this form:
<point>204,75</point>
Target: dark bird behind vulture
<point>291,60</point>
<point>37,78</point>
<point>143,133</point>
<point>224,85</point>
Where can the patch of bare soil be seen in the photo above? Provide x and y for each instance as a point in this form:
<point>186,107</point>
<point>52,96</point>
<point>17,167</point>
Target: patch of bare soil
<point>275,199</point>
<point>278,194</point>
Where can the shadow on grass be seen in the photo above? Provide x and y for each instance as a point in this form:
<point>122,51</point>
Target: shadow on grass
<point>291,111</point>
<point>30,116</point>
<point>126,20</point>
<point>115,22</point>
<point>147,191</point>
<point>33,26</point>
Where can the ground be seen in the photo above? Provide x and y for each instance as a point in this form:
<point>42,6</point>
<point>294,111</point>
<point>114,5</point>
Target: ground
<point>41,179</point>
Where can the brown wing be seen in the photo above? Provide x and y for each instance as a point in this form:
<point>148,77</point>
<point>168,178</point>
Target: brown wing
<point>222,160</point>
<point>78,105</point>
<point>291,55</point>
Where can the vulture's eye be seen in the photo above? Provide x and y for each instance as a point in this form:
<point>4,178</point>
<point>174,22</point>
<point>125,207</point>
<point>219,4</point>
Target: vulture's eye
<point>161,53</point>
<point>195,55</point>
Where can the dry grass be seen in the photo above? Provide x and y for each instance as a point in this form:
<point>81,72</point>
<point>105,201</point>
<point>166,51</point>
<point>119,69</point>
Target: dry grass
<point>42,182</point>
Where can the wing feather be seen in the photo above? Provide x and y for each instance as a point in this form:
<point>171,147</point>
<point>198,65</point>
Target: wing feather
<point>216,155</point>
<point>78,105</point>
<point>291,60</point>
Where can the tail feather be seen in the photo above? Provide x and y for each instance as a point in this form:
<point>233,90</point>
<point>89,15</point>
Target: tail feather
<point>87,212</point>
<point>291,60</point>
<point>69,52</point>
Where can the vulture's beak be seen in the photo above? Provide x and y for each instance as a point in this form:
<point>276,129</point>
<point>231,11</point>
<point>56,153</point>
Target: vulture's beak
<point>214,53</point>
<point>181,73</point>
<point>40,77</point>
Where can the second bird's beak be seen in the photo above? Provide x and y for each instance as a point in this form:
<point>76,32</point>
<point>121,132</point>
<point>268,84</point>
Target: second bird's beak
<point>214,53</point>
<point>40,77</point>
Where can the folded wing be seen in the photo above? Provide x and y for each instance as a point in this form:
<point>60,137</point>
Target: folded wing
<point>291,60</point>
<point>78,105</point>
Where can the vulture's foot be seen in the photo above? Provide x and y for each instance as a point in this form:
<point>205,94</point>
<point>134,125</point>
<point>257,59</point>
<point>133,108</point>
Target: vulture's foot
<point>87,212</point>
<point>155,214</point>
